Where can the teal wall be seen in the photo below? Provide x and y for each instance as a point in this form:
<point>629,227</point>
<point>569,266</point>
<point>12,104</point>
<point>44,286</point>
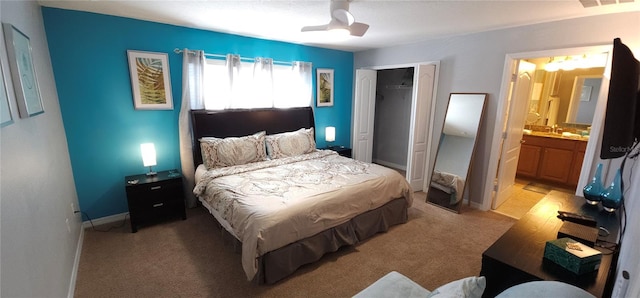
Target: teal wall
<point>104,132</point>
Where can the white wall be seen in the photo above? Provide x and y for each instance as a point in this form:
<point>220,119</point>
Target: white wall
<point>475,62</point>
<point>36,182</point>
<point>629,259</point>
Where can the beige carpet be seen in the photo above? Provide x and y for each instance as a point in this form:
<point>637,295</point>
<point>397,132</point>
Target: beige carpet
<point>191,259</point>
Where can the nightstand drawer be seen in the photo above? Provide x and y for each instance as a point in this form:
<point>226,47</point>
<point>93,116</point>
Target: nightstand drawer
<point>151,194</point>
<point>153,210</point>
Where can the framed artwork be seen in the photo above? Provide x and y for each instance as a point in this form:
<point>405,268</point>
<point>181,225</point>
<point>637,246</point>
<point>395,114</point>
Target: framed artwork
<point>5,108</point>
<point>324,84</point>
<point>150,80</point>
<point>23,74</point>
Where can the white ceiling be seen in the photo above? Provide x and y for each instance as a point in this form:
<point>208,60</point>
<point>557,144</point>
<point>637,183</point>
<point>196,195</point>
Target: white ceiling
<point>392,22</point>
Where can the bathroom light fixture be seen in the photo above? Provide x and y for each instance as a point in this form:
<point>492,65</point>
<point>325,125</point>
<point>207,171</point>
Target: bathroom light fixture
<point>330,134</point>
<point>148,157</point>
<point>552,65</point>
<point>573,62</point>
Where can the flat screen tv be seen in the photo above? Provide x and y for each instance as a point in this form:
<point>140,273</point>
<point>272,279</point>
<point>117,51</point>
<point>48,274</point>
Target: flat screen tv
<point>622,118</point>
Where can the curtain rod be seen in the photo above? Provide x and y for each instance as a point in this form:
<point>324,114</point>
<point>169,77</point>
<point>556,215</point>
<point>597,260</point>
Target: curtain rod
<point>179,51</point>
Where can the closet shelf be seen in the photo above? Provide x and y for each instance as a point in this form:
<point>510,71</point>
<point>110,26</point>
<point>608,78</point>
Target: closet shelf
<point>397,86</point>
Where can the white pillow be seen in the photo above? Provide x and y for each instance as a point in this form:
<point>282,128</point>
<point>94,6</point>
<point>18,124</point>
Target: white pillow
<point>470,287</point>
<point>232,151</point>
<point>292,143</point>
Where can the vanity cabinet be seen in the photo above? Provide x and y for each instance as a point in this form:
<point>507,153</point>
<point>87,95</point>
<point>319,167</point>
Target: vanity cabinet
<point>529,160</point>
<point>552,160</point>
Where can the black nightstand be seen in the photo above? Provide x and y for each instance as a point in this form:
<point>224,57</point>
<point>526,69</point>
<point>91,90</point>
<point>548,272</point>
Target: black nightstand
<point>342,150</point>
<point>151,198</point>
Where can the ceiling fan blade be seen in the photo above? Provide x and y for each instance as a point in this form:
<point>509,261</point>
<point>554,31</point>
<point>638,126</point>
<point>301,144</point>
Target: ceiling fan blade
<point>358,29</point>
<point>343,15</point>
<point>315,28</point>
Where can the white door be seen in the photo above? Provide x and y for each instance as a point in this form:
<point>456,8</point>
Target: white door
<point>512,132</point>
<point>420,113</point>
<point>364,114</point>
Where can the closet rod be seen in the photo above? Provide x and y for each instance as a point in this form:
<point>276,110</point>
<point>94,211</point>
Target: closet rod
<point>179,51</point>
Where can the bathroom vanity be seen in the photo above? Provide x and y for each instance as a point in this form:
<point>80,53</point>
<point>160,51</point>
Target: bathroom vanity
<point>551,158</point>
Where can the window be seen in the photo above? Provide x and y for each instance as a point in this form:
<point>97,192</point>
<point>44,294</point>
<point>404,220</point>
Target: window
<point>236,84</point>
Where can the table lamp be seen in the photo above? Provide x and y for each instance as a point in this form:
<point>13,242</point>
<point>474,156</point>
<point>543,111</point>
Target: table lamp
<point>148,157</point>
<point>330,134</point>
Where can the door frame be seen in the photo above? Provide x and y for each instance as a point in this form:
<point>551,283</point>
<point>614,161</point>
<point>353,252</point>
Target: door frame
<point>414,98</point>
<point>596,128</point>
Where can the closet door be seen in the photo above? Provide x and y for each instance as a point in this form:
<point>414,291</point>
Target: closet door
<point>363,114</point>
<point>419,128</point>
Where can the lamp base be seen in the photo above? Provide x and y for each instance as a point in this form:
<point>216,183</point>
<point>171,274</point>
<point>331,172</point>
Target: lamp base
<point>151,172</point>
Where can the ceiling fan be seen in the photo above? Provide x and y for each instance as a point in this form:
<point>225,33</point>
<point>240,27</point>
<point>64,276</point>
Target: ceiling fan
<point>341,20</point>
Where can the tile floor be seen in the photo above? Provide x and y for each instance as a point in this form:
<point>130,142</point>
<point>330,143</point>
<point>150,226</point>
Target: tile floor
<point>521,200</point>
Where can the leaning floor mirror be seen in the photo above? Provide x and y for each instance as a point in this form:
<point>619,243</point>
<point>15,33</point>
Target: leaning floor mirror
<point>455,150</point>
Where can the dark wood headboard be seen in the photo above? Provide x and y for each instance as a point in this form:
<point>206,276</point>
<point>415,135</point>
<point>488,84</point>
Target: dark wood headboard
<point>237,123</point>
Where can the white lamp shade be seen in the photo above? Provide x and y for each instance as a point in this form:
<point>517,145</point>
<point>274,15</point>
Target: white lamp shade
<point>148,154</point>
<point>330,134</point>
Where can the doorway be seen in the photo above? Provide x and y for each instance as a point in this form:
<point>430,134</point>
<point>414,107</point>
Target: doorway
<point>503,185</point>
<point>419,117</point>
<point>394,91</point>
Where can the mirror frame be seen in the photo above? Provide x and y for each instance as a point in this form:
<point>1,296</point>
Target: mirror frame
<point>457,207</point>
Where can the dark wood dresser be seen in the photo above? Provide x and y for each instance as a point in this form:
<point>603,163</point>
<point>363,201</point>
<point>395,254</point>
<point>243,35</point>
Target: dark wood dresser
<point>517,256</point>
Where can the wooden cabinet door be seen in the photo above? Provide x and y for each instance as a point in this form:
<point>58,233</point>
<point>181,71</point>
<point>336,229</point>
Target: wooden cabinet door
<point>576,167</point>
<point>556,165</point>
<point>528,161</point>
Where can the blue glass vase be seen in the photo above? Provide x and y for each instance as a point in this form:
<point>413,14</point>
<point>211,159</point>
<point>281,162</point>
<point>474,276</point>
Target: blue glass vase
<point>612,196</point>
<point>593,191</point>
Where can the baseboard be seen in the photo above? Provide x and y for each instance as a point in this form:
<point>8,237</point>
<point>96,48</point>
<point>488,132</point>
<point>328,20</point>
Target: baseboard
<point>76,264</point>
<point>105,220</point>
<point>476,205</point>
<point>390,164</point>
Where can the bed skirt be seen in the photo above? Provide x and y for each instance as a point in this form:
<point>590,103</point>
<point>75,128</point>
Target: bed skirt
<point>280,263</point>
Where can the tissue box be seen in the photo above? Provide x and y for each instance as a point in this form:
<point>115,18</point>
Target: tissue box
<point>572,255</point>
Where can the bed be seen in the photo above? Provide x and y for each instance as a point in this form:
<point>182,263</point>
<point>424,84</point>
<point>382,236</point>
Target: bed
<point>451,184</point>
<point>288,210</point>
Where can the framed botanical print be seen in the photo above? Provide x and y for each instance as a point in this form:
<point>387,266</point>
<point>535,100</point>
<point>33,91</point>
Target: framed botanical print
<point>23,73</point>
<point>324,84</point>
<point>150,80</point>
<point>5,108</point>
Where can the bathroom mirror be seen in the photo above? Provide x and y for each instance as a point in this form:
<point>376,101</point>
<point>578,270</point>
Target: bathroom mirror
<point>584,98</point>
<point>455,150</point>
<point>564,97</point>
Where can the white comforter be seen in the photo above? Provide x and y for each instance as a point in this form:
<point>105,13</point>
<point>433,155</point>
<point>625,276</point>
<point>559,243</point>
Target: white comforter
<point>449,183</point>
<point>274,203</point>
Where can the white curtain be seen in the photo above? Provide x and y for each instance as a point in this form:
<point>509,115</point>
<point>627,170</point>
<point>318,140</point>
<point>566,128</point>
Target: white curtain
<point>193,66</point>
<point>261,87</point>
<point>233,84</point>
<point>293,86</point>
